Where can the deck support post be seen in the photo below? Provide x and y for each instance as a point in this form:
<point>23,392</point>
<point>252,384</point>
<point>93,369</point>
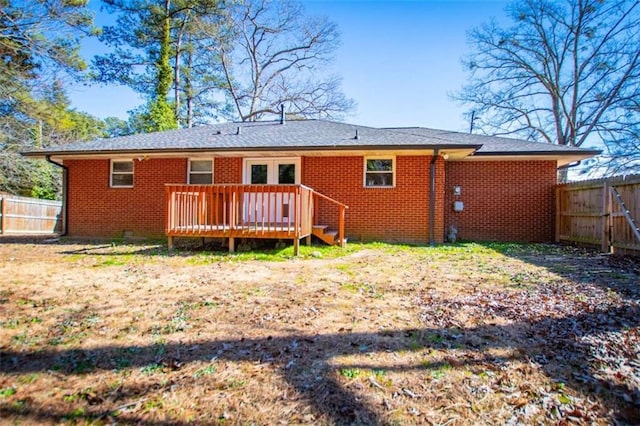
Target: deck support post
<point>296,246</point>
<point>170,242</point>
<point>308,240</point>
<point>341,240</point>
<point>232,245</point>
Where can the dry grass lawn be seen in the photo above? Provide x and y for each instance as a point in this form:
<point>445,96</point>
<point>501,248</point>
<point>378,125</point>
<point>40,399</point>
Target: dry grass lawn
<point>103,333</point>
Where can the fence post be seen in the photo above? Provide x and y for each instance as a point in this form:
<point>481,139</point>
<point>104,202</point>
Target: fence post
<point>2,214</point>
<point>605,246</point>
<point>558,213</point>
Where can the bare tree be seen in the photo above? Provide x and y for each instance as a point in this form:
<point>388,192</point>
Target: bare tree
<point>567,72</point>
<point>622,153</point>
<point>275,55</point>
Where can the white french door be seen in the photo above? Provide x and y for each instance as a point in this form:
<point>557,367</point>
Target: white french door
<point>270,207</point>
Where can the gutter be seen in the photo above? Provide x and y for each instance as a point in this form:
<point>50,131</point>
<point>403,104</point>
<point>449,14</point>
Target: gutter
<point>432,195</point>
<point>65,190</point>
<point>550,153</point>
<point>570,165</point>
<point>226,149</point>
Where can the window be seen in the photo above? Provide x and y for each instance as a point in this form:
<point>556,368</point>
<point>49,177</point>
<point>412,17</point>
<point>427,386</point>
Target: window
<point>201,172</point>
<point>286,174</point>
<point>259,174</point>
<point>121,173</point>
<point>378,172</point>
<point>272,171</point>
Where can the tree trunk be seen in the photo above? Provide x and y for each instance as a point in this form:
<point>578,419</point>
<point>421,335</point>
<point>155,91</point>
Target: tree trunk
<point>176,75</point>
<point>188,89</point>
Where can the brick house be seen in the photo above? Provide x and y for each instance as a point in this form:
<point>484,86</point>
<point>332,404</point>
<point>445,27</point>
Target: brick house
<point>295,179</point>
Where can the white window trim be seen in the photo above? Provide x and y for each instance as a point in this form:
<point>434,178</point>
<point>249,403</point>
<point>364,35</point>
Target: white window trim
<point>189,172</point>
<point>246,171</point>
<point>111,172</point>
<point>379,157</point>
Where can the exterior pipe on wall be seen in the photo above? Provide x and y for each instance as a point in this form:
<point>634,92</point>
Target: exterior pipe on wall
<point>65,190</point>
<point>432,195</point>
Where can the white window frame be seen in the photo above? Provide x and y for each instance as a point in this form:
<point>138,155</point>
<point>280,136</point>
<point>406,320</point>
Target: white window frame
<point>112,172</point>
<point>393,171</point>
<point>190,172</point>
<point>272,168</point>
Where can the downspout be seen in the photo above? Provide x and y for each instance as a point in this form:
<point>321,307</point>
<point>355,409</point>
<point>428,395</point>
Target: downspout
<point>65,189</point>
<point>569,166</point>
<point>432,196</point>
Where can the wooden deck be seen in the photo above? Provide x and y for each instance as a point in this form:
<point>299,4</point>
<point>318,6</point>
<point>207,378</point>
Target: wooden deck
<point>245,211</point>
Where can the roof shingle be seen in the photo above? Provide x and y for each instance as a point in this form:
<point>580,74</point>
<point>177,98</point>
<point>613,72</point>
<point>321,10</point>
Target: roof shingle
<point>301,135</point>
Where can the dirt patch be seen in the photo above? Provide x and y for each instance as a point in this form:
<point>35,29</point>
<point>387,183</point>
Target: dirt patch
<point>467,334</point>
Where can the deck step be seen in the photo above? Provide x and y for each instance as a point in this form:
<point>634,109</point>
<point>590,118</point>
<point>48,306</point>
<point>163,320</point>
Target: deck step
<point>329,237</point>
<point>331,234</point>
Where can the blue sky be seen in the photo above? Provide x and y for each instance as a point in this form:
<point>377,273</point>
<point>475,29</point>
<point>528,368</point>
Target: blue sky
<point>399,60</point>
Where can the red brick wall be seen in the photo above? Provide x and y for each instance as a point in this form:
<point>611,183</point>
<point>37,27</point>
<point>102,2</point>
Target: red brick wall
<point>227,170</point>
<point>399,214</point>
<point>503,200</point>
<point>96,210</point>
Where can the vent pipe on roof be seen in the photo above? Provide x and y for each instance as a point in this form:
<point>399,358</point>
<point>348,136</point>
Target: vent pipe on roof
<point>238,132</point>
<point>282,114</point>
<point>357,135</point>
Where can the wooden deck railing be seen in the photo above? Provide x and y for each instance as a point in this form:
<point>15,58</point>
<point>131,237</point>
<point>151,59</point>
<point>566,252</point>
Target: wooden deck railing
<point>241,211</point>
<point>342,209</point>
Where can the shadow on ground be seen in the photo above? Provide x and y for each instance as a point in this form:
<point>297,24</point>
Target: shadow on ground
<point>304,361</point>
<point>300,358</point>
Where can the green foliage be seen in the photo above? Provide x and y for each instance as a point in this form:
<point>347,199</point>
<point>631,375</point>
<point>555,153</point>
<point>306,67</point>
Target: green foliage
<point>35,123</point>
<point>206,371</point>
<point>164,71</point>
<point>350,373</point>
<point>39,37</point>
<point>46,182</point>
<point>161,50</point>
<point>161,116</point>
<point>116,127</point>
<point>441,370</point>
<point>151,368</point>
<point>152,117</point>
<point>6,392</point>
<point>39,44</point>
<point>210,57</point>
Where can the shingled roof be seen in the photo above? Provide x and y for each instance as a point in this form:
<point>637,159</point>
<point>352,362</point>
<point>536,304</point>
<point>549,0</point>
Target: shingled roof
<point>303,135</point>
<point>492,145</point>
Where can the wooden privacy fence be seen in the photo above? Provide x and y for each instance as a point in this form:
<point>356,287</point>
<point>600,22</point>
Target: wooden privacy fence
<point>22,215</point>
<point>602,212</point>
